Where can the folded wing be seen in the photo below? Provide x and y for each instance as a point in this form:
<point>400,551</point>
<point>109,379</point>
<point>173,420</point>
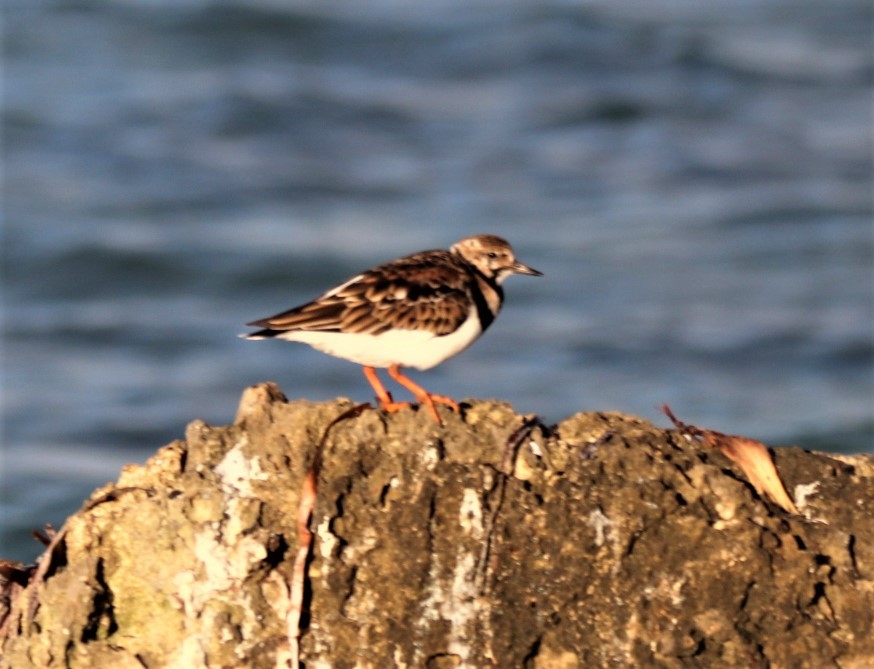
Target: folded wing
<point>434,297</point>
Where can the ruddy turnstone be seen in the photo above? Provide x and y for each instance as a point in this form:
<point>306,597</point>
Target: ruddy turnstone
<point>415,311</point>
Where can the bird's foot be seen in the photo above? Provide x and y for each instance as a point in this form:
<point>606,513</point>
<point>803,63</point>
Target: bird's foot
<point>387,403</point>
<point>443,399</point>
<point>428,400</point>
<point>391,406</point>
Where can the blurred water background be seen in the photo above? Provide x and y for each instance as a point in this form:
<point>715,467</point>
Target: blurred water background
<point>693,178</point>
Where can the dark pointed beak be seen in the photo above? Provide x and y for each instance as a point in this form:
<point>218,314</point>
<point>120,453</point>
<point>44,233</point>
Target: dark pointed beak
<point>522,268</point>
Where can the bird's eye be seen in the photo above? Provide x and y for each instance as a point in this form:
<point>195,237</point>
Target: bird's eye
<point>493,255</point>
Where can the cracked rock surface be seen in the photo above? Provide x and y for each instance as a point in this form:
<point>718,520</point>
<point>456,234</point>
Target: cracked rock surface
<point>490,541</point>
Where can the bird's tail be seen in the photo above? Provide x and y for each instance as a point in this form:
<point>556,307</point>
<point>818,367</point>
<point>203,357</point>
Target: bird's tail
<point>266,333</point>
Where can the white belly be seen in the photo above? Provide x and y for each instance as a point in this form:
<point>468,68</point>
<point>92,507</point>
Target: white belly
<point>408,348</point>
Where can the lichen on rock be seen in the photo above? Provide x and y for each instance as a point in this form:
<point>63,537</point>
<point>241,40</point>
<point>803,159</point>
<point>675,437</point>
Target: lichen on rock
<point>489,541</point>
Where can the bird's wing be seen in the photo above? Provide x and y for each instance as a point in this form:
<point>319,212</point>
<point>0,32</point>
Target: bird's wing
<point>425,291</point>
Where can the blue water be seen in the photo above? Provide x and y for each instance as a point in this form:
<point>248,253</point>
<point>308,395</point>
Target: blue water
<point>694,179</point>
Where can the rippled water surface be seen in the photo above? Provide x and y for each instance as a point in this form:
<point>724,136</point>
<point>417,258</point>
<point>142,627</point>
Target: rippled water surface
<point>694,180</point>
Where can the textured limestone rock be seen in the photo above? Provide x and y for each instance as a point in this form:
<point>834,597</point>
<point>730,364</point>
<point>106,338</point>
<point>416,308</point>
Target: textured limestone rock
<point>611,543</point>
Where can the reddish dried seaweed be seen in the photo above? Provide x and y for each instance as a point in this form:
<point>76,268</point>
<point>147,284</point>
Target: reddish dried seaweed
<point>309,490</point>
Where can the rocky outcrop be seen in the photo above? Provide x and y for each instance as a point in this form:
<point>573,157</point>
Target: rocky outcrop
<point>489,541</point>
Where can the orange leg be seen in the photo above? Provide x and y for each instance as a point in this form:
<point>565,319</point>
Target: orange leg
<point>421,394</point>
<point>385,399</point>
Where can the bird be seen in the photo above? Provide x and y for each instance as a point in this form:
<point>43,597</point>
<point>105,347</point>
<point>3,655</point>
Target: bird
<point>412,312</point>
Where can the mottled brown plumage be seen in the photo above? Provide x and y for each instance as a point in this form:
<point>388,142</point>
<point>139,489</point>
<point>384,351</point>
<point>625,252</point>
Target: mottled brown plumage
<point>425,291</point>
<point>415,311</point>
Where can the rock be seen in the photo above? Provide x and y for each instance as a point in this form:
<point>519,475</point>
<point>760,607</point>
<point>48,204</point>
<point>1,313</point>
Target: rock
<point>612,543</point>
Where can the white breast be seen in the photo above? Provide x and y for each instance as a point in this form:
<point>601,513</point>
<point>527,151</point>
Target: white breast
<point>408,348</point>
